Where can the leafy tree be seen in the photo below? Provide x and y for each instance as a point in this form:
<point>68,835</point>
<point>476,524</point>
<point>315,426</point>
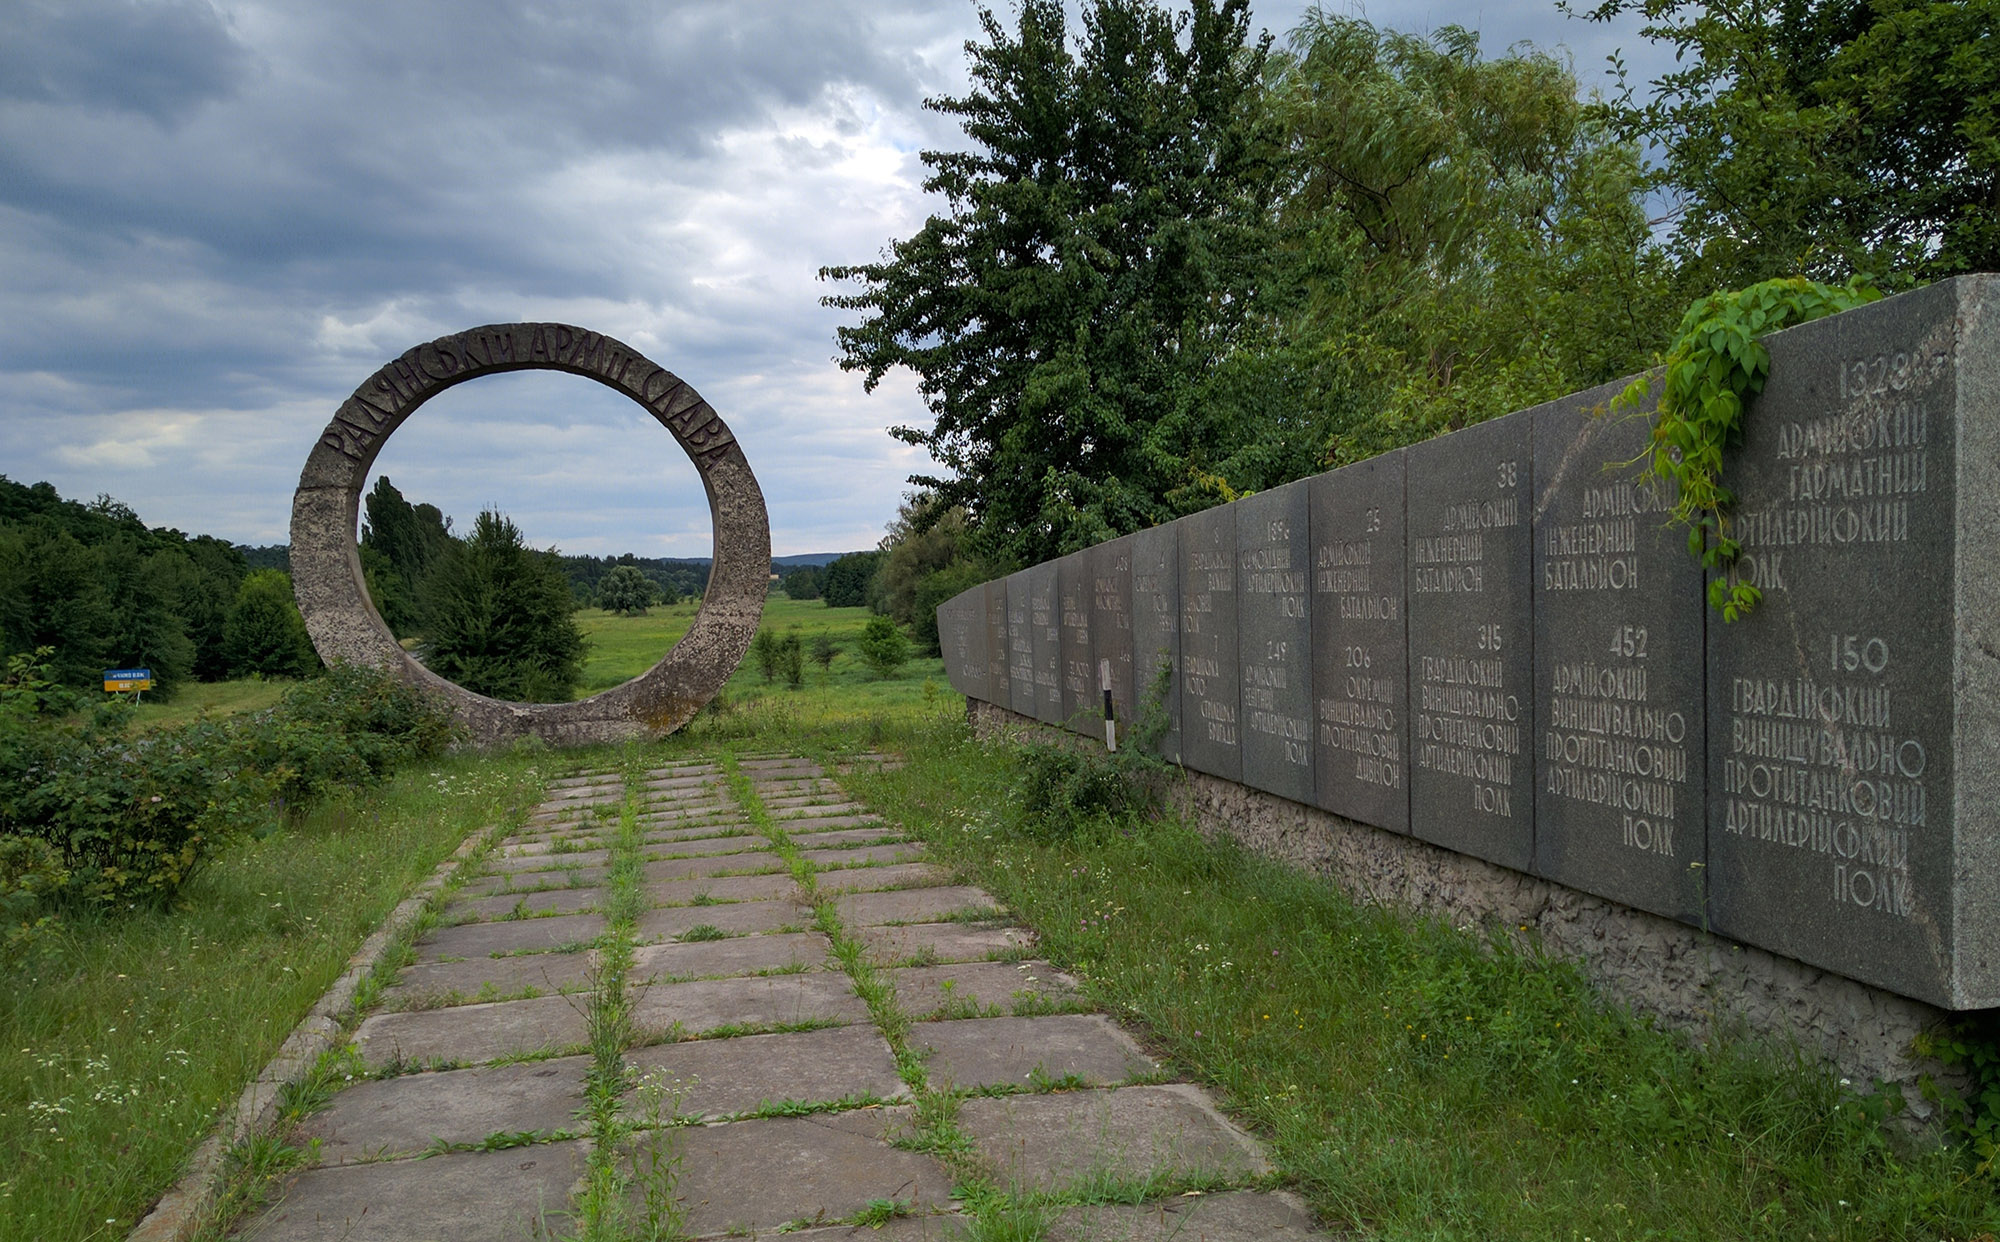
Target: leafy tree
<point>499,618</point>
<point>846,581</point>
<point>802,583</point>
<point>764,649</point>
<point>883,646</point>
<point>406,542</point>
<point>52,596</point>
<point>823,650</point>
<point>203,577</point>
<point>626,591</point>
<point>266,634</point>
<point>791,660</point>
<point>1459,238</point>
<point>1824,137</point>
<point>142,630</point>
<point>1097,257</point>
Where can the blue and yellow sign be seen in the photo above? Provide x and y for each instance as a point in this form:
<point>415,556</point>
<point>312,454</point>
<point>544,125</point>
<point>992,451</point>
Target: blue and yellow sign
<point>128,680</point>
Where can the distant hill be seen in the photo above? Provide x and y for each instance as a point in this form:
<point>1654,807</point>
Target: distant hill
<point>279,556</point>
<point>274,556</point>
<point>815,559</point>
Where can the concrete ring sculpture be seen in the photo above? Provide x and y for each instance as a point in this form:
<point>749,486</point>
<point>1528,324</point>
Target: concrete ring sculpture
<point>326,563</point>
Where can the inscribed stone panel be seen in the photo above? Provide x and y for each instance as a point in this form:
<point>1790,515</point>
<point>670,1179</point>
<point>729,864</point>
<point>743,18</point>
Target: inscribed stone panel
<point>1082,704</point>
<point>1045,628</point>
<point>1620,795</point>
<point>1111,626</point>
<point>1361,655</point>
<point>1851,715</point>
<point>1156,624</point>
<point>1274,643</point>
<point>962,640</point>
<point>998,690</point>
<point>1210,703</point>
<point>1020,646</point>
<point>1472,712</point>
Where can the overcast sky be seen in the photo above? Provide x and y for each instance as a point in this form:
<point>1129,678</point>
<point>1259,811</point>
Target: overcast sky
<point>218,218</point>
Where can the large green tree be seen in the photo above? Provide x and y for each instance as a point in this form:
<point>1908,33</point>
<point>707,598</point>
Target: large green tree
<point>1095,257</point>
<point>499,617</point>
<point>265,633</point>
<point>1823,137</point>
<point>401,544</point>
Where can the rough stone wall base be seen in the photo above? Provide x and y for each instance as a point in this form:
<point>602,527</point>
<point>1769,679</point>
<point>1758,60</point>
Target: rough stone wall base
<point>1688,979</point>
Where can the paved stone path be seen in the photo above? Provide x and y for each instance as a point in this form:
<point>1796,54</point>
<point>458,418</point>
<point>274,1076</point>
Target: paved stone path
<point>837,1024</point>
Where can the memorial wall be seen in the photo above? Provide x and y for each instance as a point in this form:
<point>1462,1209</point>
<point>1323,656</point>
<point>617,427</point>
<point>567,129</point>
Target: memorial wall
<point>1493,641</point>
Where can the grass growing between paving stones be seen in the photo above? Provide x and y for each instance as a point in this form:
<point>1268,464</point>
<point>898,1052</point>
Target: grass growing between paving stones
<point>1419,1081</point>
<point>124,1038</point>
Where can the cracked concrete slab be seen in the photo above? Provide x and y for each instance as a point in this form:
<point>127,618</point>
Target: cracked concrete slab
<point>993,1052</point>
<point>750,862</point>
<point>970,989</point>
<point>1049,1141</point>
<point>404,1115</point>
<point>533,881</point>
<point>671,922</point>
<point>545,901</point>
<point>1233,1216</point>
<point>764,1173</point>
<point>881,878</point>
<point>428,985</point>
<point>856,855</point>
<point>509,936</point>
<point>550,862</point>
<point>721,888</point>
<point>944,942</point>
<point>470,1034</point>
<point>704,844</point>
<point>916,905</point>
<point>764,1001</point>
<point>500,1196</point>
<point>738,955</point>
<point>722,1077</point>
<point>802,826</point>
<point>844,838</point>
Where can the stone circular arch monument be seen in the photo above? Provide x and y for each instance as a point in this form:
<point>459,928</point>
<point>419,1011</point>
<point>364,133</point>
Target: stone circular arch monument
<point>326,562</point>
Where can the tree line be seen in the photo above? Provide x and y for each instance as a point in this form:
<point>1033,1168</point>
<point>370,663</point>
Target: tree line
<point>1175,262</point>
<point>99,589</point>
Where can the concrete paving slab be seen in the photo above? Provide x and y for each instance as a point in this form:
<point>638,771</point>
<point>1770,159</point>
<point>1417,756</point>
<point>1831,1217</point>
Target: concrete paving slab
<point>881,878</point>
<point>993,1052</point>
<point>874,832</point>
<point>526,905</point>
<point>550,862</point>
<point>559,841</point>
<point>931,943</point>
<point>534,881</point>
<point>1047,1141</point>
<point>499,1196</point>
<point>721,1077</point>
<point>1234,1216</point>
<point>473,1033</point>
<point>828,803</point>
<point>761,1174</point>
<point>858,855</point>
<point>703,842</point>
<point>736,918</point>
<point>969,989</point>
<point>721,888</point>
<point>430,985</point>
<point>402,1116</point>
<point>943,1228</point>
<point>750,862</point>
<point>917,905</point>
<point>511,936</point>
<point>798,826</point>
<point>778,1000</point>
<point>738,955</point>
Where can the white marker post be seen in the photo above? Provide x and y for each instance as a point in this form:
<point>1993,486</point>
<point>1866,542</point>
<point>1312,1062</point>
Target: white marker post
<point>1110,715</point>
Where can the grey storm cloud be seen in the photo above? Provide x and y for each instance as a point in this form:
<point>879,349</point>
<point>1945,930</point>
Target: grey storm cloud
<point>216,218</point>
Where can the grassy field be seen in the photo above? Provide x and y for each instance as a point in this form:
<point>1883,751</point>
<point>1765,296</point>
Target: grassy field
<point>218,698</point>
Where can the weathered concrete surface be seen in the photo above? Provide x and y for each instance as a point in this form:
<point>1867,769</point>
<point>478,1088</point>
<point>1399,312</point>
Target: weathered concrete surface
<point>502,1196</point>
<point>944,942</point>
<point>966,988</point>
<point>881,878</point>
<point>921,905</point>
<point>721,888</point>
<point>473,1033</point>
<point>737,955</point>
<point>733,917</point>
<point>527,905</point>
<point>429,983</point>
<point>1048,1141</point>
<point>721,1077</point>
<point>404,1115</point>
<point>762,1174</point>
<point>1234,1216</point>
<point>713,865</point>
<point>780,1000</point>
<point>326,564</point>
<point>512,936</point>
<point>994,1052</point>
<point>533,881</point>
<point>862,855</point>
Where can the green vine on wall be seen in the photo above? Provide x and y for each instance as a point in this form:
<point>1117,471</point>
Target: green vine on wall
<point>1716,364</point>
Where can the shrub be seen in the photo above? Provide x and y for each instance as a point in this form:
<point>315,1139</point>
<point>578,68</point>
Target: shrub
<point>884,646</point>
<point>823,651</point>
<point>764,649</point>
<point>792,660</point>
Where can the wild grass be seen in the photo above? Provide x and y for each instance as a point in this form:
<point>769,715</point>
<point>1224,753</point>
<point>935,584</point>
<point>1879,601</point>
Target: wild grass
<point>1421,1081</point>
<point>210,698</point>
<point>122,1040</point>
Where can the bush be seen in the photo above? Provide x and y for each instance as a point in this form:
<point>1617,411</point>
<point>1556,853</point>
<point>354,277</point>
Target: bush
<point>764,649</point>
<point>792,660</point>
<point>93,816</point>
<point>823,651</point>
<point>1065,786</point>
<point>884,646</point>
